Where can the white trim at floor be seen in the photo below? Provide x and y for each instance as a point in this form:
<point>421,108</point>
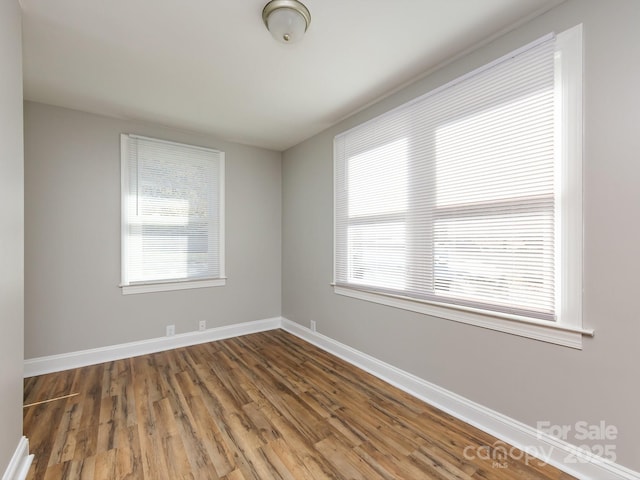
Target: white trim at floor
<point>554,451</point>
<point>20,462</point>
<point>82,358</point>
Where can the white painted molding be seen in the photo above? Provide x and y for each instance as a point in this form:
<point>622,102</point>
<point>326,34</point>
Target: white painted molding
<point>170,286</point>
<point>66,361</point>
<point>549,449</point>
<point>544,331</point>
<point>20,462</point>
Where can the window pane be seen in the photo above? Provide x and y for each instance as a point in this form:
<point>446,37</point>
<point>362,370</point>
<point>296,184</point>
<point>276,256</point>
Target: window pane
<point>500,153</point>
<point>504,259</point>
<point>377,255</point>
<point>377,180</point>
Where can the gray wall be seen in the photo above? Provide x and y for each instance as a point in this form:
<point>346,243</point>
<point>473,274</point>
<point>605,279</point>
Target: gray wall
<point>11,230</point>
<point>525,379</point>
<point>72,238</point>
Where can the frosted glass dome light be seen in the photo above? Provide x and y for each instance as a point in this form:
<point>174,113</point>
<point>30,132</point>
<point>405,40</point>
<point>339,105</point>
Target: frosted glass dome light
<point>286,20</point>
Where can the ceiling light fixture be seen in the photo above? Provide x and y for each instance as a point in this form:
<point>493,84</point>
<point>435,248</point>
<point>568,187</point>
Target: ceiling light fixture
<point>286,20</point>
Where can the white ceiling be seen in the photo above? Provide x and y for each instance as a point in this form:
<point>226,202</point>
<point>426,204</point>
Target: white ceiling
<point>211,66</point>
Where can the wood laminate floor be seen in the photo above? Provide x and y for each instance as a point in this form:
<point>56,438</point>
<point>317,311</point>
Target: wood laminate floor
<point>258,407</point>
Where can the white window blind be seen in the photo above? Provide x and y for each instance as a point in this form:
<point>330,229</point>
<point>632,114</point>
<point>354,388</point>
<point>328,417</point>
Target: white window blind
<point>454,198</point>
<point>172,226</point>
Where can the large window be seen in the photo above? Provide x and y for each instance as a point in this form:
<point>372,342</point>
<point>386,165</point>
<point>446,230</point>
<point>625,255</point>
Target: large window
<point>172,215</point>
<point>465,203</point>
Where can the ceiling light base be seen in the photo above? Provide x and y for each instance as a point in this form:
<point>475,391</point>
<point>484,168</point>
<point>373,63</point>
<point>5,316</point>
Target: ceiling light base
<point>286,20</point>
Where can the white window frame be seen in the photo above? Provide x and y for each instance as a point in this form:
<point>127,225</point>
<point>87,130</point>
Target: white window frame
<point>128,287</point>
<point>568,329</point>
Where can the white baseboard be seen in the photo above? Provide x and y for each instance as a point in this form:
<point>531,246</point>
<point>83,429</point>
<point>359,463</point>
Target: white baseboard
<point>551,450</point>
<point>20,462</point>
<point>66,361</point>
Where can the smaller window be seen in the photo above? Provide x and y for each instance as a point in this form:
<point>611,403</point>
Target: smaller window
<point>172,215</point>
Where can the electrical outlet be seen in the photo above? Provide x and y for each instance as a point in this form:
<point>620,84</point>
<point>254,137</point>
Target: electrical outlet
<point>202,325</point>
<point>171,330</point>
<point>313,325</point>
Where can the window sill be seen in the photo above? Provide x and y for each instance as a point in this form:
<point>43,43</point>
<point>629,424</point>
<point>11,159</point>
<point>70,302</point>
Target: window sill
<point>169,286</point>
<point>537,329</point>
